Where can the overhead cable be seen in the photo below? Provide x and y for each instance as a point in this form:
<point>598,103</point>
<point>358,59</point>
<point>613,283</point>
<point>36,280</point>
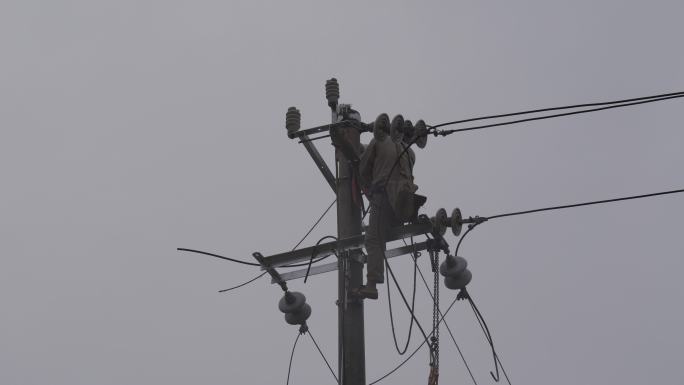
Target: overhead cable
<point>323,356</point>
<point>244,283</point>
<point>565,207</point>
<point>448,132</point>
<point>676,94</point>
<point>488,337</point>
<point>289,366</point>
<point>314,225</point>
<point>415,351</point>
<point>413,306</point>
<point>427,287</point>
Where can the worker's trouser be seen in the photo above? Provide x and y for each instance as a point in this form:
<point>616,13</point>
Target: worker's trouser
<point>381,220</point>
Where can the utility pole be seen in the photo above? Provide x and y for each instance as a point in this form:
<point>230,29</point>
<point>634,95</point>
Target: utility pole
<point>346,137</point>
<point>351,344</point>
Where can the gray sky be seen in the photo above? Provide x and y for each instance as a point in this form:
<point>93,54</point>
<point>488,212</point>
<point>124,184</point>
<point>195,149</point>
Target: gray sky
<point>130,128</point>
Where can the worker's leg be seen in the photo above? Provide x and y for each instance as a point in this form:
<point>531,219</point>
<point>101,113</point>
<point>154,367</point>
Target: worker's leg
<point>379,224</point>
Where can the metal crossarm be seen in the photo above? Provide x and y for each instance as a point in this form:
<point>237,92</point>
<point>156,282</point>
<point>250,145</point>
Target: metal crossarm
<point>290,275</point>
<point>356,242</point>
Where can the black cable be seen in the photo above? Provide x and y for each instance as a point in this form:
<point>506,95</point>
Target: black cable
<point>556,109</point>
<point>314,225</point>
<point>323,355</point>
<point>488,337</point>
<point>586,204</point>
<point>289,367</point>
<point>219,256</point>
<point>403,297</point>
<point>448,132</point>
<point>313,252</point>
<point>244,283</point>
<point>413,307</point>
<point>415,351</point>
<point>427,287</point>
<point>470,228</point>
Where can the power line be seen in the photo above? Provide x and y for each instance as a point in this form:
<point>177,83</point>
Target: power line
<point>427,287</point>
<point>244,283</point>
<point>488,337</point>
<point>448,132</point>
<point>218,256</point>
<point>515,213</point>
<point>413,304</point>
<point>289,366</point>
<point>415,351</point>
<point>323,356</point>
<point>557,109</point>
<point>314,225</point>
<point>611,105</point>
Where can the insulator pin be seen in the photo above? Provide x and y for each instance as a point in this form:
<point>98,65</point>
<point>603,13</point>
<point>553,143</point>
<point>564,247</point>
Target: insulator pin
<point>332,92</point>
<point>293,121</point>
<point>296,310</point>
<point>455,272</point>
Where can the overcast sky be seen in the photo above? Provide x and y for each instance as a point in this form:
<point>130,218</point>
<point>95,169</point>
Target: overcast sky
<point>131,128</point>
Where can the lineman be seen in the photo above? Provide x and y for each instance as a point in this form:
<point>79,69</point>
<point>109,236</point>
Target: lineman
<point>390,190</point>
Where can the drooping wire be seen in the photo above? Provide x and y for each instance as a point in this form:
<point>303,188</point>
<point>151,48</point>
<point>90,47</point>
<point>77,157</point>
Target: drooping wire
<point>488,337</point>
<point>414,352</point>
<point>323,356</point>
<point>313,252</point>
<point>427,287</point>
<point>244,283</point>
<point>483,324</point>
<point>403,297</point>
<point>289,366</point>
<point>413,304</point>
<point>678,94</point>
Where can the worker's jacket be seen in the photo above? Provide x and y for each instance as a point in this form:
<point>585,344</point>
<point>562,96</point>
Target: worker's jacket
<point>375,166</point>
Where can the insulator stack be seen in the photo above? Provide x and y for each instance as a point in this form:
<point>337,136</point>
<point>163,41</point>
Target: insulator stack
<point>455,272</point>
<point>332,92</point>
<point>296,310</point>
<point>421,134</point>
<point>408,130</point>
<point>293,121</point>
<point>396,128</point>
<point>381,127</point>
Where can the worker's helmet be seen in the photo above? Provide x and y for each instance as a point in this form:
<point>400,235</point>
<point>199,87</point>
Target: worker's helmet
<point>346,112</point>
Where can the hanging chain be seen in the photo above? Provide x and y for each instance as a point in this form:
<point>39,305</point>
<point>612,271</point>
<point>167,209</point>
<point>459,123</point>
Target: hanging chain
<point>434,340</point>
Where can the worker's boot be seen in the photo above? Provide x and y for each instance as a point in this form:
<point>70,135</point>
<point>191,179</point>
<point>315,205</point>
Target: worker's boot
<point>369,291</point>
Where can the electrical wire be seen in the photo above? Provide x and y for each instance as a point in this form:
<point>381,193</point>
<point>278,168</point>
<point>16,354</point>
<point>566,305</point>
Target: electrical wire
<point>289,367</point>
<point>314,225</point>
<point>415,351</point>
<point>244,283</point>
<point>448,132</point>
<point>403,297</point>
<point>488,337</point>
<point>218,256</point>
<point>427,287</point>
<point>323,356</point>
<point>413,307</point>
<point>586,203</point>
<point>557,109</point>
<point>313,252</point>
<point>590,203</point>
